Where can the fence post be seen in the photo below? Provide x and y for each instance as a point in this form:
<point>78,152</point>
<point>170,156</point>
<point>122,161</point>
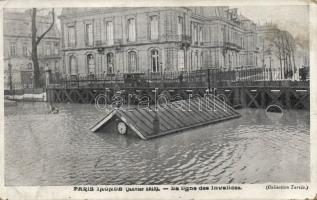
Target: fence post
<point>48,76</point>
<point>77,80</point>
<point>243,97</point>
<point>208,79</point>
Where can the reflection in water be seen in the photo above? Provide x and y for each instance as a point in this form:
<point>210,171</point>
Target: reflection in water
<point>46,149</point>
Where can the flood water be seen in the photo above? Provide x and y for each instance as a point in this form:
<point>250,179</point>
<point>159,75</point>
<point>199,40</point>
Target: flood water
<point>59,149</point>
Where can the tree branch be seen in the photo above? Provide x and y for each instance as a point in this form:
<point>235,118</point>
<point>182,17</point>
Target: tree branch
<point>34,29</point>
<point>49,28</point>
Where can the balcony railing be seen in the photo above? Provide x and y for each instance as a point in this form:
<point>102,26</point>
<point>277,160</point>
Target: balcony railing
<point>186,38</point>
<point>98,43</point>
<point>46,56</point>
<point>233,46</point>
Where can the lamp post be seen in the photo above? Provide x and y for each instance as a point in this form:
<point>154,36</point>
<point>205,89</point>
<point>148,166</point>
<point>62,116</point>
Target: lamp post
<point>270,68</point>
<point>10,75</point>
<point>269,52</point>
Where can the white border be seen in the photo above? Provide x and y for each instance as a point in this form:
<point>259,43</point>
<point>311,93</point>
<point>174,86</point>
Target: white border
<point>250,191</point>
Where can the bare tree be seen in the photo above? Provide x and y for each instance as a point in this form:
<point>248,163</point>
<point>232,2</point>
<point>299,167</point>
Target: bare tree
<point>289,49</point>
<point>35,42</point>
<point>285,45</point>
<point>278,44</point>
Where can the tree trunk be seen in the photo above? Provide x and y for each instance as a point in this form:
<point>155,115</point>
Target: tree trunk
<point>35,42</point>
<point>280,55</point>
<point>35,61</point>
<point>294,65</point>
<point>284,56</point>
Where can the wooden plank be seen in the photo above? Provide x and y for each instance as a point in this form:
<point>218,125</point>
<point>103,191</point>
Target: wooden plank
<point>166,118</point>
<point>287,98</point>
<point>194,112</point>
<point>58,95</point>
<point>300,100</point>
<point>207,114</point>
<point>263,100</point>
<point>252,98</point>
<point>140,123</point>
<point>218,108</point>
<point>146,114</point>
<point>200,111</point>
<point>145,121</point>
<point>220,105</point>
<point>243,98</point>
<point>130,119</point>
<point>186,115</point>
<point>67,96</point>
<point>171,119</point>
<point>164,122</point>
<point>180,114</point>
<point>176,115</point>
<point>273,96</point>
<point>80,96</point>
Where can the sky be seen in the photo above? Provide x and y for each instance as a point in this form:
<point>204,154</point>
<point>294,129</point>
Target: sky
<point>294,18</point>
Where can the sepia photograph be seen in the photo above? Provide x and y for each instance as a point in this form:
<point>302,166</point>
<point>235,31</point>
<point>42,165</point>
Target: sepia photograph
<point>161,95</point>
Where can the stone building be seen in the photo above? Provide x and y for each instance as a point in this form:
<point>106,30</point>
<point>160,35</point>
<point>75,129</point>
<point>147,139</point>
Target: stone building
<point>18,47</point>
<point>155,39</point>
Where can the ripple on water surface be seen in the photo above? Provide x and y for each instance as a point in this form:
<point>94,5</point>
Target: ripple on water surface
<point>46,149</point>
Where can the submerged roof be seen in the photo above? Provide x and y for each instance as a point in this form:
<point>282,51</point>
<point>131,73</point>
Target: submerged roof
<point>193,113</point>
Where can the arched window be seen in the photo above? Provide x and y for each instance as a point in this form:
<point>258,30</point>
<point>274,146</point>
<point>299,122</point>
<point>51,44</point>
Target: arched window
<point>73,70</point>
<point>91,64</point>
<point>155,61</point>
<point>110,65</point>
<point>132,62</point>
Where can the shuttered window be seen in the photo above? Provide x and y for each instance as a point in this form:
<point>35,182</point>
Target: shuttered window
<point>153,27</point>
<point>180,26</point>
<point>200,34</point>
<point>71,36</point>
<point>109,32</point>
<point>73,70</point>
<point>131,30</point>
<point>89,35</point>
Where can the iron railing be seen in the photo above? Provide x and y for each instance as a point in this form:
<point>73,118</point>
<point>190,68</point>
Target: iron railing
<point>213,77</point>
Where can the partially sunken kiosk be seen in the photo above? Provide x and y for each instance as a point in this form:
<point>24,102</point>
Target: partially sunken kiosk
<point>156,120</point>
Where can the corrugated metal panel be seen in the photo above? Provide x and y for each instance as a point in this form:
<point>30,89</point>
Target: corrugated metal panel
<point>194,113</point>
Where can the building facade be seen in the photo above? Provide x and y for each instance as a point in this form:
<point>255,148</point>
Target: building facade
<point>157,39</point>
<point>18,65</point>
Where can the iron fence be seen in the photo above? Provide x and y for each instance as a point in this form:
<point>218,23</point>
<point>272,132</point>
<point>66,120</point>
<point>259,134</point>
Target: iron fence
<point>198,78</point>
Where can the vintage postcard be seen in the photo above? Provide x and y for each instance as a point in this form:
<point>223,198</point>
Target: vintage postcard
<point>158,100</point>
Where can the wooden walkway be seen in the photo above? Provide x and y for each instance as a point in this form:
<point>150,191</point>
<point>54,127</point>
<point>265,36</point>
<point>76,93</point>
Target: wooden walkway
<point>257,94</point>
